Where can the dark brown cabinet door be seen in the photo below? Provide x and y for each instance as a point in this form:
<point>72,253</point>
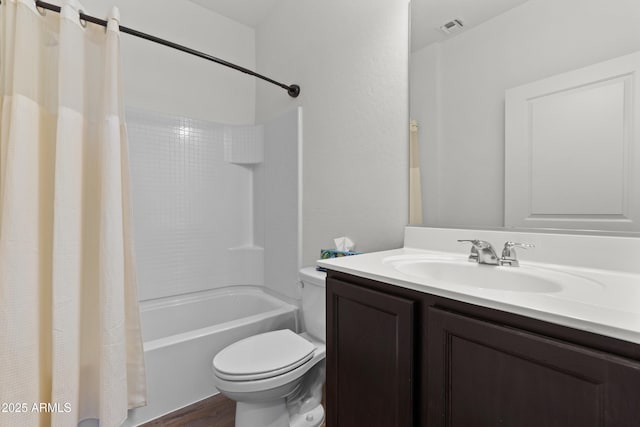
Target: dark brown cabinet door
<point>485,374</point>
<point>370,346</point>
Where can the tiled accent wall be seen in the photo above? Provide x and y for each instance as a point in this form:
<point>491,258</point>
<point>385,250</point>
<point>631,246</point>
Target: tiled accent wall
<point>192,210</point>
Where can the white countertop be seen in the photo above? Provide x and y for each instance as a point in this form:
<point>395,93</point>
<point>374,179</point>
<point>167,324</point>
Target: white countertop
<point>609,303</point>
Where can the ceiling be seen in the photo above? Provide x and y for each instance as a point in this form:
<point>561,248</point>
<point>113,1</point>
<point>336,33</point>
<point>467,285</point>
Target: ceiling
<point>427,16</point>
<point>248,12</point>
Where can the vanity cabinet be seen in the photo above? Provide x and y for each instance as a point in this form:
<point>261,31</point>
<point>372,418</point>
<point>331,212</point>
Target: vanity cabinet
<point>487,374</point>
<point>371,343</point>
<point>398,357</point>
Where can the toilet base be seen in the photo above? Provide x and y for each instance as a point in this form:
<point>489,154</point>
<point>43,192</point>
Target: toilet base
<point>312,418</point>
<point>275,414</point>
<point>270,414</point>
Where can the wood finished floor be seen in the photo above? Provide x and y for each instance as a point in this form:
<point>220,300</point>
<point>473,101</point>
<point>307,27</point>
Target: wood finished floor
<point>216,411</point>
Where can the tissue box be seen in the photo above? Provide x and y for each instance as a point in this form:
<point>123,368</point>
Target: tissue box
<point>334,253</point>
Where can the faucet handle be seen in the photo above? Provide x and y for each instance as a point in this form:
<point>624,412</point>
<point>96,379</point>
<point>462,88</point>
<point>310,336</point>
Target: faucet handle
<point>482,252</point>
<point>509,248</point>
<point>473,256</point>
<point>475,243</point>
<point>509,252</point>
<point>472,241</point>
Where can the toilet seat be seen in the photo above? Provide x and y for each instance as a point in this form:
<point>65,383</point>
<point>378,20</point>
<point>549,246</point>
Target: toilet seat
<point>263,356</point>
<point>241,388</point>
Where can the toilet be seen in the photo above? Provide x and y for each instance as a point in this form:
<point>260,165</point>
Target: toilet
<point>276,377</point>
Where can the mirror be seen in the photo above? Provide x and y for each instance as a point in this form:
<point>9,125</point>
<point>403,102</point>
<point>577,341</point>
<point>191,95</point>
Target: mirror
<point>465,56</point>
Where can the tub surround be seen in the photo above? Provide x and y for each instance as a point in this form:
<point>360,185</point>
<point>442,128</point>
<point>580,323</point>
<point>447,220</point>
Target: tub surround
<point>182,168</point>
<point>610,306</point>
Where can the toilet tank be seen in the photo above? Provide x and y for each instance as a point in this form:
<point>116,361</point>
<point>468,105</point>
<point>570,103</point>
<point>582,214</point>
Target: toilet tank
<point>314,302</point>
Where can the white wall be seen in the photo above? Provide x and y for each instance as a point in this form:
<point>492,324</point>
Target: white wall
<point>158,78</point>
<point>535,40</point>
<point>351,60</point>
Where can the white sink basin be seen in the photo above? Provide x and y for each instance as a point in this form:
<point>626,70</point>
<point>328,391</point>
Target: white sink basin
<point>461,272</point>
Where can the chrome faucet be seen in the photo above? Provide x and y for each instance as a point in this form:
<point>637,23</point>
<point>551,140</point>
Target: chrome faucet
<point>482,252</point>
<point>509,253</point>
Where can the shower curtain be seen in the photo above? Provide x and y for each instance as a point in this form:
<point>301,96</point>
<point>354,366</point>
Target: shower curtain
<point>70,343</point>
<point>415,187</point>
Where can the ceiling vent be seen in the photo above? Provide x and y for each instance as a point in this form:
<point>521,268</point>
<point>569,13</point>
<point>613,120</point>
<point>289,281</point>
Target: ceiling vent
<point>452,27</point>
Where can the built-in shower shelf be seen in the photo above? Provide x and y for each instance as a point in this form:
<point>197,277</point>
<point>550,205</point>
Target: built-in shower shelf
<point>244,145</point>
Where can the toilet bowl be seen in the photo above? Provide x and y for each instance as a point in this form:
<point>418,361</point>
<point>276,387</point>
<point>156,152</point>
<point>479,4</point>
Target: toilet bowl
<point>276,377</point>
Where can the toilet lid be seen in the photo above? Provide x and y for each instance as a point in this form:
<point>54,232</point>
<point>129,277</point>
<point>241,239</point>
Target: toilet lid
<point>263,356</point>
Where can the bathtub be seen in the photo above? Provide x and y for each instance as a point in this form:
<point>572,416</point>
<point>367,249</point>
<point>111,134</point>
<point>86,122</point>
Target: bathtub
<point>182,334</point>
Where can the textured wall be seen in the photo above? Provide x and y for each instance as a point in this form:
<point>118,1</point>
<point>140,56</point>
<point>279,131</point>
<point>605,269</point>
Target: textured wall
<point>351,60</point>
<point>158,78</point>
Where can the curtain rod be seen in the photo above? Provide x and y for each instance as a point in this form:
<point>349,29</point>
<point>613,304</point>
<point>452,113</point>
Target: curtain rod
<point>292,90</point>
